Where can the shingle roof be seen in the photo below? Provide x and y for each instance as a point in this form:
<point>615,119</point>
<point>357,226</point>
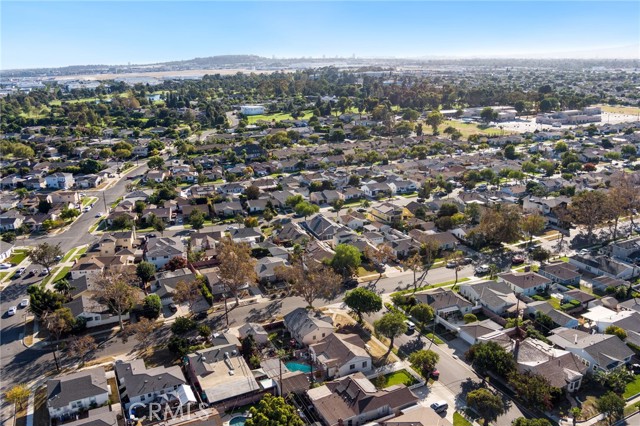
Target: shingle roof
<point>63,390</point>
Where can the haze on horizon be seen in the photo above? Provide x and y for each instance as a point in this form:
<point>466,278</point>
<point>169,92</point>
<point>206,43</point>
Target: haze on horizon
<point>55,34</point>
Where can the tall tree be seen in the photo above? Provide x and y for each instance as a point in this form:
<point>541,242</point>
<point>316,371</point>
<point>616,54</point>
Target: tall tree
<point>434,119</point>
<point>18,395</point>
<point>81,347</point>
<point>145,271</point>
<point>116,293</point>
<point>310,279</point>
<point>422,313</point>
<point>46,255</point>
<point>534,389</point>
<point>379,256</point>
<point>500,224</point>
<point>589,209</point>
<point>143,331</point>
<point>424,361</point>
<point>487,404</point>
<point>196,219</point>
<point>363,301</point>
<point>237,267</point>
<point>63,287</point>
<point>531,225</point>
<point>391,325</point>
<point>187,292</point>
<point>59,322</point>
<point>346,260</point>
<point>490,356</point>
<point>611,406</point>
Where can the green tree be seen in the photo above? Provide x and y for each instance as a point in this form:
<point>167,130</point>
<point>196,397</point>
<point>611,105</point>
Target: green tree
<point>589,209</point>
<point>155,162</point>
<point>116,293</point>
<point>391,325</point>
<point>434,119</point>
<point>487,404</point>
<point>145,271</point>
<point>611,405</point>
<point>534,389</point>
<point>346,260</point>
<point>43,301</point>
<point>531,225</point>
<point>46,255</point>
<point>63,287</point>
<point>252,192</point>
<point>422,313</point>
<point>196,219</point>
<point>488,115</point>
<point>424,361</point>
<point>490,356</point>
<point>152,306</point>
<point>305,209</point>
<point>509,152</point>
<point>469,318</point>
<point>273,411</point>
<point>363,301</point>
<point>616,331</point>
<point>521,421</point>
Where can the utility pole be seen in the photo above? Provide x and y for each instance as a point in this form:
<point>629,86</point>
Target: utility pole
<point>104,201</point>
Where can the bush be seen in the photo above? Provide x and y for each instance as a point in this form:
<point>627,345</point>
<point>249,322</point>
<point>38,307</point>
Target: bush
<point>152,306</point>
<point>469,318</point>
<point>179,346</point>
<point>183,325</point>
<point>206,293</point>
<point>566,306</point>
<point>538,298</point>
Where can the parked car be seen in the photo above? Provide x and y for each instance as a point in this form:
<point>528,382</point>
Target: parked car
<point>410,326</point>
<point>58,258</point>
<point>517,259</point>
<point>12,311</point>
<point>20,271</point>
<point>5,265</point>
<point>435,374</point>
<point>24,303</point>
<point>440,406</point>
<point>482,269</point>
<point>43,272</point>
<point>452,264</point>
<point>200,316</point>
<point>173,308</point>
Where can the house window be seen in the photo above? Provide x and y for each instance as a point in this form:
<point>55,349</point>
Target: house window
<point>314,337</point>
<point>352,367</point>
<point>364,364</point>
<point>142,398</point>
<point>322,334</point>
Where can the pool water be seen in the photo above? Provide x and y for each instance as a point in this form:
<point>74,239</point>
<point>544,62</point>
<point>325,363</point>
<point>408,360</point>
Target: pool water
<point>237,421</point>
<point>298,366</point>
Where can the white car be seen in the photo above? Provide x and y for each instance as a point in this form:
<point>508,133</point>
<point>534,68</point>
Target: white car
<point>24,303</point>
<point>482,269</point>
<point>12,311</point>
<point>5,265</point>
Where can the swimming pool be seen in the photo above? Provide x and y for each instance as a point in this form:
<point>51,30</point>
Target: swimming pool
<point>237,421</point>
<point>298,366</point>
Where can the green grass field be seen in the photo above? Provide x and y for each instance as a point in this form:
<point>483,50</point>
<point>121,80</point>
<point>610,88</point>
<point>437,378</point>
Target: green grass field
<point>401,377</point>
<point>614,109</point>
<point>632,388</point>
<point>459,420</point>
<point>276,117</point>
<point>17,256</point>
<point>468,129</point>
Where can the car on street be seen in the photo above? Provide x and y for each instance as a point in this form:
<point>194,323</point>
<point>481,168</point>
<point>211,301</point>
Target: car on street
<point>5,265</point>
<point>517,259</point>
<point>200,316</point>
<point>24,303</point>
<point>584,252</point>
<point>12,311</point>
<point>351,283</point>
<point>410,326</point>
<point>482,269</point>
<point>452,264</point>
<point>43,272</point>
<point>99,214</point>
<point>20,271</point>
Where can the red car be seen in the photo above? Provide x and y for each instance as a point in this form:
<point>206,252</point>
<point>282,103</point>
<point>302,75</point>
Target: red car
<point>435,374</point>
<point>517,259</point>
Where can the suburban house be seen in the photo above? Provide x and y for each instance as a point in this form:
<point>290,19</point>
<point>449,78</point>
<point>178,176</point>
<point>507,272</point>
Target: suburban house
<point>389,213</point>
<point>605,265</point>
<point>340,355</point>
<point>585,299</point>
<point>228,208</point>
<point>418,415</point>
<point>11,220</point>
<point>600,318</point>
<point>445,303</point>
<point>266,268</point>
<point>378,189</point>
<point>597,351</point>
<point>627,251</point>
<point>561,273</point>
<point>142,386</point>
<point>559,318</point>
<point>260,335</point>
<point>160,251</point>
<point>65,197</point>
<point>6,249</point>
<point>307,327</point>
<point>69,394</point>
<point>527,283</point>
<point>443,240</point>
<point>221,375</point>
<point>353,401</point>
<point>165,283</point>
<point>563,369</point>
<point>321,227</point>
<point>60,181</point>
<point>497,297</point>
<point>473,332</point>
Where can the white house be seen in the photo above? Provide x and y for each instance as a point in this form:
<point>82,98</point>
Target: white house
<point>341,355</point>
<point>75,392</point>
<point>60,181</point>
<point>307,327</point>
<point>160,251</point>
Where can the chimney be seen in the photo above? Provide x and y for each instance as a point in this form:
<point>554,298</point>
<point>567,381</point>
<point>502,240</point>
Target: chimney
<point>575,339</point>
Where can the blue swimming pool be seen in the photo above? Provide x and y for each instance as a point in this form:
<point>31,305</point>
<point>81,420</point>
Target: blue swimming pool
<point>237,421</point>
<point>298,366</point>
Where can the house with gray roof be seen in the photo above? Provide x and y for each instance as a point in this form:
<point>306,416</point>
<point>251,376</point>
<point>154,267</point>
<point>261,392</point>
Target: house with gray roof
<point>597,351</point>
<point>527,283</point>
<point>321,227</point>
<point>142,386</point>
<point>561,273</point>
<point>497,297</point>
<point>165,282</point>
<point>102,416</point>
<point>339,355</point>
<point>559,318</point>
<point>605,265</point>
<point>71,393</point>
<point>445,302</point>
<point>160,251</point>
<point>308,327</point>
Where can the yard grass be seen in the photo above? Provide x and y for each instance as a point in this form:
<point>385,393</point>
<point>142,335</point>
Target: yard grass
<point>434,338</point>
<point>55,276</point>
<point>68,255</point>
<point>632,388</point>
<point>253,119</point>
<point>618,109</point>
<point>365,270</point>
<point>17,257</point>
<point>468,129</point>
<point>96,225</point>
<point>400,377</point>
<point>459,420</point>
<point>88,200</point>
<point>430,286</point>
<point>80,252</point>
<point>4,274</point>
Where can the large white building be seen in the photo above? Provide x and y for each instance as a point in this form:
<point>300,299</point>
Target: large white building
<point>252,109</point>
<point>570,117</point>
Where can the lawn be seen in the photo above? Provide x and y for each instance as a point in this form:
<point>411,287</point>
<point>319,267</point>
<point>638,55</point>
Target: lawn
<point>400,377</point>
<point>632,388</point>
<point>58,275</point>
<point>459,420</point>
<point>430,286</point>
<point>68,255</point>
<point>18,256</point>
<point>620,109</point>
<point>276,117</point>
<point>88,200</point>
<point>468,129</point>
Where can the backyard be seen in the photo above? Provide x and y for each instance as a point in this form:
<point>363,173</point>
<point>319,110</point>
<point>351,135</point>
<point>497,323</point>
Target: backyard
<point>400,377</point>
<point>632,388</point>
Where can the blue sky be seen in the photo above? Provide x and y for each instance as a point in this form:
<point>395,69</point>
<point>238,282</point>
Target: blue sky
<point>43,34</point>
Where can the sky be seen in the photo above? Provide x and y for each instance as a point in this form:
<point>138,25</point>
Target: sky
<point>51,33</point>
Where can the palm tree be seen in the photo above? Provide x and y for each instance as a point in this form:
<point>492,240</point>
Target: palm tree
<point>63,287</point>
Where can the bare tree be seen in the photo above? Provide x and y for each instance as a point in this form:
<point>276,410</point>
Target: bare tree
<point>310,279</point>
<point>237,267</point>
<point>379,255</point>
<point>531,225</point>
<point>415,264</point>
<point>143,331</point>
<point>187,292</point>
<point>456,257</point>
<point>115,292</point>
<point>46,255</point>
<point>81,347</point>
